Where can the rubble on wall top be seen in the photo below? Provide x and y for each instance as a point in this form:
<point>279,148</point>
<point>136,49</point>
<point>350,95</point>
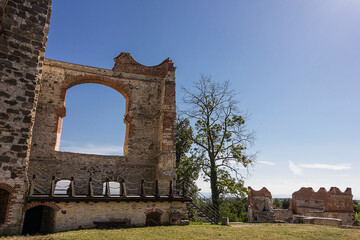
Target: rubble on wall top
<point>322,190</point>
<point>126,63</point>
<point>262,192</point>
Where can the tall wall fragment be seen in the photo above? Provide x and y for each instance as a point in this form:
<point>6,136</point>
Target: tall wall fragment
<point>23,34</point>
<point>260,206</point>
<point>149,149</point>
<point>32,97</point>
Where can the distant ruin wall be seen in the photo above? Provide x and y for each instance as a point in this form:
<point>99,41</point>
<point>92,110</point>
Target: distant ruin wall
<point>23,34</point>
<point>347,218</point>
<point>260,206</point>
<point>329,204</point>
<point>332,207</point>
<point>283,215</point>
<point>307,200</point>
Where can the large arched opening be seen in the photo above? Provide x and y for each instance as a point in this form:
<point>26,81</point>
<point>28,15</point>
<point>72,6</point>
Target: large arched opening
<point>39,220</point>
<point>95,120</point>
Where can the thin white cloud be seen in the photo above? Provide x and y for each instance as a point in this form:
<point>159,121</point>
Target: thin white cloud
<point>298,169</point>
<point>267,163</point>
<point>94,149</point>
<point>295,169</point>
<point>336,167</point>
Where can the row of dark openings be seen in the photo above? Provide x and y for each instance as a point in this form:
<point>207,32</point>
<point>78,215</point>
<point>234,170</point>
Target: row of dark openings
<point>41,219</point>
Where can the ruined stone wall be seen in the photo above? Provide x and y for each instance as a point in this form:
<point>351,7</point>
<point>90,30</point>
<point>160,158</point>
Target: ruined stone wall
<point>329,204</point>
<point>149,150</point>
<point>346,218</point>
<point>283,215</point>
<point>64,165</point>
<point>307,200</point>
<point>23,34</point>
<point>260,206</point>
<point>74,216</point>
<point>320,207</point>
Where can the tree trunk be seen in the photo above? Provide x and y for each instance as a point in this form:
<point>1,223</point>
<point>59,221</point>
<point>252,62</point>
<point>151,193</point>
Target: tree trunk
<point>214,188</point>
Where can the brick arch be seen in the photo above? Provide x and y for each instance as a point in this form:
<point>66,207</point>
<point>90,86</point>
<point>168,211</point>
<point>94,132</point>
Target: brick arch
<point>10,191</point>
<point>153,210</point>
<point>7,187</point>
<point>117,85</point>
<point>35,204</point>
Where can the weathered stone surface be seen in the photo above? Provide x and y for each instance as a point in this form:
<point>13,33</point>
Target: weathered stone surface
<point>73,216</point>
<point>323,207</point>
<point>149,149</point>
<point>29,146</point>
<point>225,221</point>
<point>260,206</point>
<point>23,34</point>
<point>285,215</point>
<point>333,203</point>
<point>318,220</point>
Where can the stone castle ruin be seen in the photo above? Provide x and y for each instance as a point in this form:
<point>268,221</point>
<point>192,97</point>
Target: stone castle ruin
<point>44,190</point>
<point>323,207</point>
<point>260,208</point>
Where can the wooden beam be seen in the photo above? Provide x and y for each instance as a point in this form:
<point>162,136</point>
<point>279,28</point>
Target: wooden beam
<point>91,190</point>
<point>52,188</point>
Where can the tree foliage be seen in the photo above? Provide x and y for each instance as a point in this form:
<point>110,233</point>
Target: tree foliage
<point>277,204</point>
<point>357,212</point>
<point>281,203</point>
<point>356,206</point>
<point>286,203</point>
<point>219,136</point>
<point>235,209</point>
<point>187,165</point>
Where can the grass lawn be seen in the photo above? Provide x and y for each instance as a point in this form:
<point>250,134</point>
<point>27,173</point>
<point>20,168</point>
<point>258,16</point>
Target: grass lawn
<point>241,231</point>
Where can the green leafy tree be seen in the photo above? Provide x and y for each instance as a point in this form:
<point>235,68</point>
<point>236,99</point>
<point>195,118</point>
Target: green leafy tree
<point>357,212</point>
<point>285,203</point>
<point>235,209</point>
<point>277,204</point>
<point>356,207</point>
<point>219,136</point>
<point>187,165</point>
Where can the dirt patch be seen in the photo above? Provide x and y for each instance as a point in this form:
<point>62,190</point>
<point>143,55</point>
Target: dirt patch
<point>246,225</point>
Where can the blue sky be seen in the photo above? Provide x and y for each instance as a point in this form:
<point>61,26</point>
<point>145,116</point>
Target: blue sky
<point>295,65</point>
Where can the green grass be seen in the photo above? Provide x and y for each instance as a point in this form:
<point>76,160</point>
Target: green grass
<point>241,231</point>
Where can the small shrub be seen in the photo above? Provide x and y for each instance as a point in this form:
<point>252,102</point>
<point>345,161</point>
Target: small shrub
<point>357,220</point>
<point>356,207</point>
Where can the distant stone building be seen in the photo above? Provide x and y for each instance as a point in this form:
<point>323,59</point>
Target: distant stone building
<point>332,207</point>
<point>327,204</point>
<point>261,208</point>
<point>45,190</point>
